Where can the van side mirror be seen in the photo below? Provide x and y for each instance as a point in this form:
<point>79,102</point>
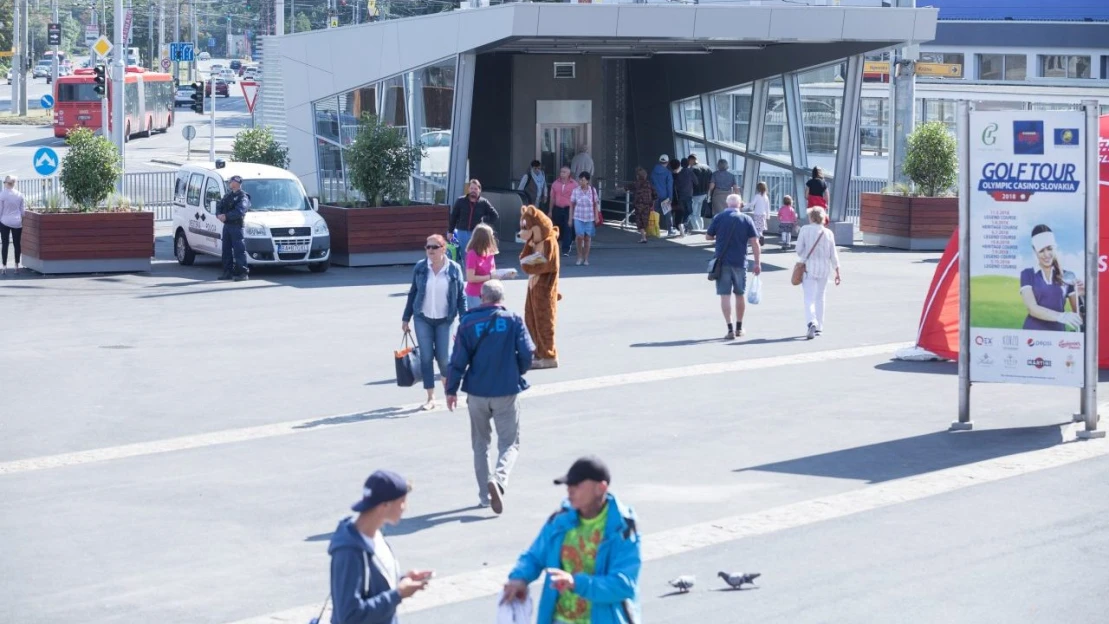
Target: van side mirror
<point>315,204</point>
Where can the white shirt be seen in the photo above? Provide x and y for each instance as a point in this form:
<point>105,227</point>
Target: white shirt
<point>436,289</point>
<point>384,555</point>
<point>760,206</point>
<point>825,258</point>
<point>11,208</point>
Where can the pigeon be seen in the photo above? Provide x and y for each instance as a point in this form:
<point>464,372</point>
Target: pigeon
<point>683,583</point>
<point>737,581</point>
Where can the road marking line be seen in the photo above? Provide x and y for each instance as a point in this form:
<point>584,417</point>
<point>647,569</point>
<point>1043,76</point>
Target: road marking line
<point>229,436</point>
<point>487,582</point>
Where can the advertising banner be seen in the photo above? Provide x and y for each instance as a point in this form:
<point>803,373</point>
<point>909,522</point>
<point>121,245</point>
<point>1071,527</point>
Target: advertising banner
<point>1103,245</point>
<point>1027,246</point>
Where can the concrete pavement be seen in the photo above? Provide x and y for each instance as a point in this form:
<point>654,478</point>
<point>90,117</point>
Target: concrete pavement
<point>695,429</point>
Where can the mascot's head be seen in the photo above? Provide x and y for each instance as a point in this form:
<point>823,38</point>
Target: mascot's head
<point>535,225</point>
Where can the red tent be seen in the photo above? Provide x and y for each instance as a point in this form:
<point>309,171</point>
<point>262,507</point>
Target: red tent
<point>939,322</point>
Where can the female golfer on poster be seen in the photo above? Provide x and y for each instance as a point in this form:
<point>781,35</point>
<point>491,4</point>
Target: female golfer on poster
<point>1045,288</point>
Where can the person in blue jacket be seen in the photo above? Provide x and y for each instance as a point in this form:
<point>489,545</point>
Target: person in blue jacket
<point>366,584</point>
<point>663,181</point>
<point>589,550</point>
<point>231,211</point>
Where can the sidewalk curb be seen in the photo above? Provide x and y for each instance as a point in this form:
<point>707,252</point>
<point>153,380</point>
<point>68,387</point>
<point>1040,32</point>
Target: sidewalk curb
<point>165,162</point>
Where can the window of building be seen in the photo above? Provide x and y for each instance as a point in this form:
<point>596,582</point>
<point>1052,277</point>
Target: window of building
<point>691,117</point>
<point>1105,67</point>
<point>1002,66</point>
<point>1064,66</point>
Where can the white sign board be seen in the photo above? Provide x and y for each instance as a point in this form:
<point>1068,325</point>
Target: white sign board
<point>92,33</point>
<point>1027,246</point>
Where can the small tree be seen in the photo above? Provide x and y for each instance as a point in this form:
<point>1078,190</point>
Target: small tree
<point>932,159</point>
<point>90,168</point>
<point>381,161</point>
<point>257,145</point>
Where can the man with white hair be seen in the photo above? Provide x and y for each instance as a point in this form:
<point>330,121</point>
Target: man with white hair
<point>582,162</point>
<point>733,231</point>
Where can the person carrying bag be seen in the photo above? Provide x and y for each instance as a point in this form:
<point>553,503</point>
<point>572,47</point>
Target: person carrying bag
<point>821,261</point>
<point>407,362</point>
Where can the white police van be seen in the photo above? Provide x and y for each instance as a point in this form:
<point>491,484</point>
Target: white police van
<point>282,227</point>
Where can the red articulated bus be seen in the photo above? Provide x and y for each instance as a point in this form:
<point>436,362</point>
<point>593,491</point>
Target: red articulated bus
<point>148,102</point>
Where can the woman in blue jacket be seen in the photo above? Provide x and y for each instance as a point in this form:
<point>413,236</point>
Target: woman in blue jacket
<point>437,297</point>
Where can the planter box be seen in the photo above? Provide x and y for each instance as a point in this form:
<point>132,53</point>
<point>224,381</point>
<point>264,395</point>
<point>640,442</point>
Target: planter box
<point>914,223</point>
<point>104,242</point>
<point>382,236</point>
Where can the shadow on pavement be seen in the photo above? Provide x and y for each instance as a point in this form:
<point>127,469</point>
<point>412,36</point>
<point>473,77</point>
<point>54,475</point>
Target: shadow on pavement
<point>896,459</point>
<point>678,343</point>
<point>415,524</point>
<point>933,368</point>
<point>384,413</point>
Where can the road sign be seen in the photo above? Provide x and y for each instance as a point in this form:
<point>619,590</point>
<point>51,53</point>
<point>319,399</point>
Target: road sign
<point>91,34</point>
<point>128,23</point>
<point>47,101</point>
<point>53,34</point>
<point>45,161</point>
<point>166,63</point>
<point>188,132</point>
<point>211,42</point>
<point>948,70</point>
<point>250,94</point>
<point>102,46</point>
<point>876,67</point>
<point>333,21</point>
<point>5,53</point>
<point>181,51</point>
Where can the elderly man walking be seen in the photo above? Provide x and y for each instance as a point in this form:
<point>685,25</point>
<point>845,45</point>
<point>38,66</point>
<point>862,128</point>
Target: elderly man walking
<point>732,232</point>
<point>491,354</point>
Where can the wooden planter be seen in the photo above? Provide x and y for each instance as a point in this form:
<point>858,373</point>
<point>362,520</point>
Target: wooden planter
<point>93,242</point>
<point>382,236</point>
<point>914,223</point>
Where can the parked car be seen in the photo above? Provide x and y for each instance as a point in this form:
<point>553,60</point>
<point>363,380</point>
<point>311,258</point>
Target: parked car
<point>183,97</point>
<point>42,70</point>
<point>204,56</point>
<point>221,88</point>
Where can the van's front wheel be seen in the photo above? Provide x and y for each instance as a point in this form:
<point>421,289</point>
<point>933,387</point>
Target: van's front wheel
<point>182,251</point>
<point>320,267</point>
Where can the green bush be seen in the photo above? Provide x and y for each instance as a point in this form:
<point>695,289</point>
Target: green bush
<point>257,145</point>
<point>381,161</point>
<point>90,169</point>
<point>932,159</point>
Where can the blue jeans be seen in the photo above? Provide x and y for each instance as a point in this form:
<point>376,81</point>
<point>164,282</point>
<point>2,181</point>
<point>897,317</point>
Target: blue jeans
<point>433,336</point>
<point>234,252</point>
<point>463,238</point>
<point>472,302</point>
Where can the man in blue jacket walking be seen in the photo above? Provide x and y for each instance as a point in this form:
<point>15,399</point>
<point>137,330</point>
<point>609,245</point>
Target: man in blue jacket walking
<point>590,551</point>
<point>492,351</point>
<point>663,181</point>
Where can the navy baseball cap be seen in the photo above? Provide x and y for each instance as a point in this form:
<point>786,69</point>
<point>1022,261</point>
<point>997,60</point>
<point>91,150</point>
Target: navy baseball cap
<point>585,469</point>
<point>236,178</point>
<point>382,486</point>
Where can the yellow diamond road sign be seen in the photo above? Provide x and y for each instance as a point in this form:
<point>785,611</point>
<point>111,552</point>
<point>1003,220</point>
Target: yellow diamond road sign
<point>102,46</point>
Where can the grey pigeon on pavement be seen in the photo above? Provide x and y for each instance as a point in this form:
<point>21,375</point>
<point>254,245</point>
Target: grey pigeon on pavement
<point>683,583</point>
<point>737,581</point>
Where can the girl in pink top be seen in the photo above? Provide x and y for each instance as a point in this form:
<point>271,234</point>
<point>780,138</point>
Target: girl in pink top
<point>787,220</point>
<point>481,265</point>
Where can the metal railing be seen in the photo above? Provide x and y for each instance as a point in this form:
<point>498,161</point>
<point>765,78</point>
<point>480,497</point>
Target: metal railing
<point>152,191</point>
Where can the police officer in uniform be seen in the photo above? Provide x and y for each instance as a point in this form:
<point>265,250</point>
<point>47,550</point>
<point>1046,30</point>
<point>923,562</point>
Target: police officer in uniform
<point>231,211</point>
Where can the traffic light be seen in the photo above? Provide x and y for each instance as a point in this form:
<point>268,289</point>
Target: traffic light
<point>198,97</point>
<point>98,71</point>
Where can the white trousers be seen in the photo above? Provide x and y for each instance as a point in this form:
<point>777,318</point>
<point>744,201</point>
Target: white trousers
<point>814,289</point>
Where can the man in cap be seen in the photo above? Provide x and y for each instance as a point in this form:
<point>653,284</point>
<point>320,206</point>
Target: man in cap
<point>366,585</point>
<point>663,181</point>
<point>231,211</point>
<point>582,586</point>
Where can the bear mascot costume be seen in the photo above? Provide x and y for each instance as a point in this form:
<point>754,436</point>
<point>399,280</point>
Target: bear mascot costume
<point>539,259</point>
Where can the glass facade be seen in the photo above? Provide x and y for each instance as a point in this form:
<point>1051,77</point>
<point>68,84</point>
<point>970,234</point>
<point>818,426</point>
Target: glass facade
<point>419,102</point>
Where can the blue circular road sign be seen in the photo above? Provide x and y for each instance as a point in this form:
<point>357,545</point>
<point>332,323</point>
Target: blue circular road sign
<point>45,161</point>
<point>47,101</point>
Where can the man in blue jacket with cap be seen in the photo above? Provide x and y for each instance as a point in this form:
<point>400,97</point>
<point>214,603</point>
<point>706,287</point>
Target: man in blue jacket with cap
<point>366,584</point>
<point>589,549</point>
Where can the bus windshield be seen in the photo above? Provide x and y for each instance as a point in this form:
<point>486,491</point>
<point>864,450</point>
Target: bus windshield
<point>77,92</point>
<point>273,195</point>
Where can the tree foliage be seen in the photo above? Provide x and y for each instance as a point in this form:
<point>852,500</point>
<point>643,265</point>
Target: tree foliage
<point>90,169</point>
<point>381,161</point>
<point>257,145</point>
<point>932,159</point>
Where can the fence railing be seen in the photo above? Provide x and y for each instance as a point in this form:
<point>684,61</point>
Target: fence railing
<point>151,190</point>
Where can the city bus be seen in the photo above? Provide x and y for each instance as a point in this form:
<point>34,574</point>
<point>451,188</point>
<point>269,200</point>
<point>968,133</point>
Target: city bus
<point>148,102</point>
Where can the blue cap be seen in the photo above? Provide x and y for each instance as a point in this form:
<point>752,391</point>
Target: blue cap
<point>236,178</point>
<point>382,486</point>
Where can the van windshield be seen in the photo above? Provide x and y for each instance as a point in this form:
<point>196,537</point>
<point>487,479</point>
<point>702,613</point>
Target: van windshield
<point>273,195</point>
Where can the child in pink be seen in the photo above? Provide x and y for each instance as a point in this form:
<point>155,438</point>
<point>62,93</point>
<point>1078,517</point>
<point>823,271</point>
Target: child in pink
<point>480,263</point>
<point>787,220</point>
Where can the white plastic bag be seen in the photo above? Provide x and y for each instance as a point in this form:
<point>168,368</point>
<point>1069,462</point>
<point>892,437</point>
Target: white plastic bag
<point>515,611</point>
<point>754,289</point>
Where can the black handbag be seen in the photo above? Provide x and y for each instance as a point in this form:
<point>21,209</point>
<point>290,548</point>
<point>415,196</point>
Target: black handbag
<point>407,360</point>
<point>716,265</point>
<point>706,209</point>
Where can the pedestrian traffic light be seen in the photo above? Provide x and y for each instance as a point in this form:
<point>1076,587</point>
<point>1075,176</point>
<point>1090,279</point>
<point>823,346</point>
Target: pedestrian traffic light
<point>98,72</point>
<point>198,97</point>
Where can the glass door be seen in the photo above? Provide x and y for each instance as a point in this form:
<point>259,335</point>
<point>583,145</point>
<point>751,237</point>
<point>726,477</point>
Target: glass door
<point>558,144</point>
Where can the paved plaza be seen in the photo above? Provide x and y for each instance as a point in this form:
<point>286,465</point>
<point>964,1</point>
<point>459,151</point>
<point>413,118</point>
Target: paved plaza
<point>178,450</point>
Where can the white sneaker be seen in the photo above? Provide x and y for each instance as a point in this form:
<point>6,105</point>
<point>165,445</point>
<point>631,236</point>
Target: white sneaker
<point>811,333</point>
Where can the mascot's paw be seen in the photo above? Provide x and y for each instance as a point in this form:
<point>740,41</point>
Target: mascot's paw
<point>559,296</point>
<point>544,363</point>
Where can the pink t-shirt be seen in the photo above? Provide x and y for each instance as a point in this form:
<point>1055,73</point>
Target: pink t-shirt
<point>560,192</point>
<point>482,265</point>
<point>786,214</point>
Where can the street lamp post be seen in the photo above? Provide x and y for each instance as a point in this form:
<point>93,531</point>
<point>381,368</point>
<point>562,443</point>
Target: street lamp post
<point>119,69</point>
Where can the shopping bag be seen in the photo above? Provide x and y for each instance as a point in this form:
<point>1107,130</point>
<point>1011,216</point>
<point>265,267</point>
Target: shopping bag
<point>754,290</point>
<point>453,252</point>
<point>407,360</point>
<point>652,225</point>
<point>515,611</point>
<point>706,209</point>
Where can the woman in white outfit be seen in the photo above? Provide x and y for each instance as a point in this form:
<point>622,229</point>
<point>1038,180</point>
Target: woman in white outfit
<point>816,247</point>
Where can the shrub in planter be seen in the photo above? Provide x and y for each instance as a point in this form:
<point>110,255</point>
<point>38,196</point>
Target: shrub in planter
<point>90,169</point>
<point>932,159</point>
<point>257,145</point>
<point>381,161</point>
